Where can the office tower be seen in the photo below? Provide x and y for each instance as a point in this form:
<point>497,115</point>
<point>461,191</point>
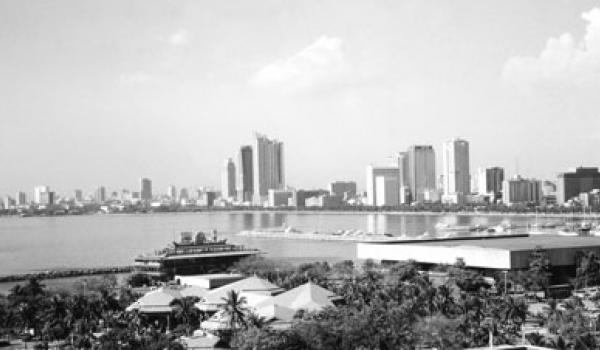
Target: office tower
<point>301,196</point>
<point>184,194</point>
<point>343,189</point>
<point>228,179</point>
<point>571,184</point>
<point>9,202</point>
<point>145,189</point>
<point>518,190</point>
<point>268,167</point>
<point>245,183</point>
<point>40,194</point>
<point>383,186</point>
<point>421,171</point>
<point>490,182</point>
<point>21,198</point>
<point>280,198</point>
<point>404,183</point>
<point>78,196</point>
<point>456,174</point>
<point>100,195</point>
<point>172,192</point>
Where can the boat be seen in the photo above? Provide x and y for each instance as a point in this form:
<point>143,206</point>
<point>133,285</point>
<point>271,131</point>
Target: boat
<point>193,254</point>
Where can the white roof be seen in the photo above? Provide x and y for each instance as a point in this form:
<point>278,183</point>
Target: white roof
<point>308,296</point>
<point>252,284</point>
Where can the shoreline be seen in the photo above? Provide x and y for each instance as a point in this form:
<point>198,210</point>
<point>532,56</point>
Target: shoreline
<point>66,273</point>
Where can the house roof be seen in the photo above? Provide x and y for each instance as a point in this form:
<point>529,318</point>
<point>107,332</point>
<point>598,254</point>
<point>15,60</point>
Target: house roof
<point>249,285</point>
<point>308,296</point>
<point>159,300</point>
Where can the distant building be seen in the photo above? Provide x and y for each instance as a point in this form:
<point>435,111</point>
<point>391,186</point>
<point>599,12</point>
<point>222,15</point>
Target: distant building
<point>404,183</point>
<point>490,182</point>
<point>343,189</point>
<point>280,198</point>
<point>383,186</point>
<point>228,179</point>
<point>570,184</point>
<point>172,192</point>
<point>456,173</point>
<point>9,202</point>
<point>421,171</point>
<point>206,198</point>
<point>302,195</point>
<point>518,190</point>
<point>325,201</point>
<point>100,195</point>
<point>21,198</point>
<point>245,182</point>
<point>268,167</point>
<point>79,196</point>
<point>43,196</point>
<point>145,189</point>
<point>184,194</point>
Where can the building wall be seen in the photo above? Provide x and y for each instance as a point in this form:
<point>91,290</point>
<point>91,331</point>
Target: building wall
<point>268,169</point>
<point>456,173</point>
<point>228,188</point>
<point>571,184</point>
<point>146,189</point>
<point>245,181</point>
<point>519,190</point>
<point>421,171</point>
<point>344,189</point>
<point>389,183</point>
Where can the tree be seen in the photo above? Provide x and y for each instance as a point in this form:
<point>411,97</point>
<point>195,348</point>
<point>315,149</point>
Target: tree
<point>186,313</point>
<point>539,270</point>
<point>236,310</point>
<point>588,269</point>
<point>439,331</point>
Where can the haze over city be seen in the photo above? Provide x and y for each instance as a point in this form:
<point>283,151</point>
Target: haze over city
<point>106,92</point>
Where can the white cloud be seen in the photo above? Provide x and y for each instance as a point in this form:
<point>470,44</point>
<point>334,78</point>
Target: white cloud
<point>320,63</point>
<point>179,38</point>
<point>564,60</point>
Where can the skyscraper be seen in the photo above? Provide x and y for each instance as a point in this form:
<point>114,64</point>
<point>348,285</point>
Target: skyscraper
<point>245,182</point>
<point>268,167</point>
<point>383,186</point>
<point>519,190</point>
<point>228,179</point>
<point>571,184</point>
<point>456,174</point>
<point>172,192</point>
<point>100,194</point>
<point>490,182</point>
<point>78,196</point>
<point>21,198</point>
<point>145,189</point>
<point>404,182</point>
<point>40,194</point>
<point>421,171</point>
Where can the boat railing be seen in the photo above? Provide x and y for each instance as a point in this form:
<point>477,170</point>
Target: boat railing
<point>198,250</point>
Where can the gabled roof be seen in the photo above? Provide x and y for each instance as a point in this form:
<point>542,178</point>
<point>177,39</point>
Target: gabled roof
<point>250,285</point>
<point>159,300</point>
<point>308,296</point>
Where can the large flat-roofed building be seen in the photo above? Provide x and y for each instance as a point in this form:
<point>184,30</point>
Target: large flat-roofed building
<point>492,252</point>
<point>571,184</point>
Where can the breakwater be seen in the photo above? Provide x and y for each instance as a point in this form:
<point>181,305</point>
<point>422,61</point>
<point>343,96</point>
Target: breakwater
<point>52,274</point>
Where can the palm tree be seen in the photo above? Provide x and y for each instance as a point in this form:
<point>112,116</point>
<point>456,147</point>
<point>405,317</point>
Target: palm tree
<point>236,310</point>
<point>185,312</point>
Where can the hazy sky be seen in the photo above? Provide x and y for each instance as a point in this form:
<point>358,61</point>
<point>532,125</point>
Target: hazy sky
<point>103,92</point>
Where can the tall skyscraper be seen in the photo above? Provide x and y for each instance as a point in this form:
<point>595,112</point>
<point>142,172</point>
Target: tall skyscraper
<point>145,189</point>
<point>490,182</point>
<point>571,184</point>
<point>21,198</point>
<point>245,182</point>
<point>228,179</point>
<point>383,186</point>
<point>100,195</point>
<point>172,192</point>
<point>39,192</point>
<point>404,183</point>
<point>78,195</point>
<point>421,171</point>
<point>456,173</point>
<point>268,166</point>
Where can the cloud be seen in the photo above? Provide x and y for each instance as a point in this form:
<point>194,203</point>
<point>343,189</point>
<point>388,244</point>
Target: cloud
<point>179,38</point>
<point>564,60</point>
<point>320,63</point>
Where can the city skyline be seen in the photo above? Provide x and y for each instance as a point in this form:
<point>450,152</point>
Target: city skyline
<point>143,79</point>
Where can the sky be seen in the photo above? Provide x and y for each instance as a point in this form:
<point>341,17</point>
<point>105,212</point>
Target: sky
<point>105,92</point>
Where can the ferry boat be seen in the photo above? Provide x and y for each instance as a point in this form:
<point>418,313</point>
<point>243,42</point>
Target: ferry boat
<point>193,254</point>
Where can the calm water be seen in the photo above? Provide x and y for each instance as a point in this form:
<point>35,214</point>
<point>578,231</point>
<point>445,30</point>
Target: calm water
<point>41,243</point>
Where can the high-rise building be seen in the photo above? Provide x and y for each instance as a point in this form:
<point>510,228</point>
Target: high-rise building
<point>172,192</point>
<point>383,186</point>
<point>343,189</point>
<point>245,182</point>
<point>184,194</point>
<point>518,190</point>
<point>78,195</point>
<point>100,195</point>
<point>268,167</point>
<point>21,198</point>
<point>455,172</point>
<point>228,179</point>
<point>421,171</point>
<point>490,182</point>
<point>40,194</point>
<point>145,189</point>
<point>571,184</point>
